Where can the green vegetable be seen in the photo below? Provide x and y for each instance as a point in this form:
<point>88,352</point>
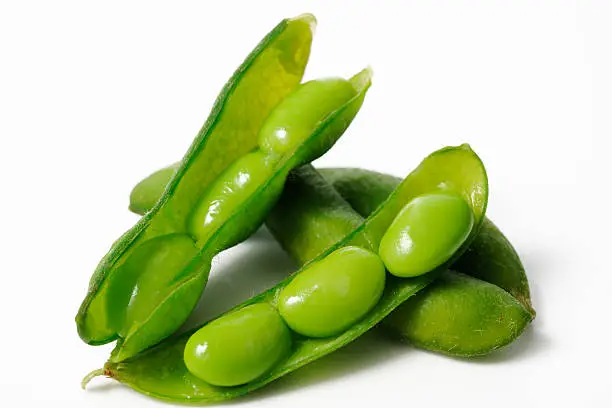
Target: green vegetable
<point>310,216</point>
<point>426,232</point>
<point>331,295</point>
<point>219,195</point>
<point>238,347</point>
<point>161,371</point>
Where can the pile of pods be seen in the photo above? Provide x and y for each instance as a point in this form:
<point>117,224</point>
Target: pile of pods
<point>416,255</point>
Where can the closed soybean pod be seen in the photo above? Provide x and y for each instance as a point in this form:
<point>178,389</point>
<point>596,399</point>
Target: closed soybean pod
<point>161,372</point>
<point>151,279</point>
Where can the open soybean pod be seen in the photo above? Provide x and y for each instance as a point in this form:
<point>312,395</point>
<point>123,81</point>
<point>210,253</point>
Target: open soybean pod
<point>490,257</point>
<point>458,315</point>
<point>161,371</point>
<point>152,277</point>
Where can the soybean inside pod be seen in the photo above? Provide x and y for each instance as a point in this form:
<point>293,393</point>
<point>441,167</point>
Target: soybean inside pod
<point>162,372</point>
<point>263,124</point>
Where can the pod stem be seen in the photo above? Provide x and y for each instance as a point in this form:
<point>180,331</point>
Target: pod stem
<point>93,374</point>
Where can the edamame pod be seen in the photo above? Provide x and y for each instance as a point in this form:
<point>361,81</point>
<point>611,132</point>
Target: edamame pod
<point>219,195</point>
<point>307,197</point>
<point>161,371</point>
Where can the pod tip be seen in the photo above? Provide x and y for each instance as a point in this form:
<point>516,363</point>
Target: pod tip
<point>307,18</point>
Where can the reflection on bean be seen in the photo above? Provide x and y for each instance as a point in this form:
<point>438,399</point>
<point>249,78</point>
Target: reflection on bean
<point>228,192</point>
<point>331,295</point>
<point>426,233</point>
<point>296,116</point>
<point>238,347</point>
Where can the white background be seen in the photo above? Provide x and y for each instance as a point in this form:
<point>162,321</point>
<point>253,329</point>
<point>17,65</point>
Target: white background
<point>95,95</point>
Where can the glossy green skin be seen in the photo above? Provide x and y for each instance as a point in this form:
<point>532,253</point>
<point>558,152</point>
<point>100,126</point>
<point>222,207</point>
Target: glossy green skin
<point>490,257</point>
<point>293,119</point>
<point>276,65</point>
<point>239,347</point>
<point>331,295</point>
<point>460,316</point>
<point>231,189</point>
<point>161,371</point>
<point>425,234</point>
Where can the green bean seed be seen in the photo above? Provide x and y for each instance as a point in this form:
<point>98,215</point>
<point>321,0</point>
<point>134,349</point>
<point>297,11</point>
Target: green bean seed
<point>299,113</point>
<point>238,347</point>
<point>332,294</point>
<point>227,192</point>
<point>426,233</point>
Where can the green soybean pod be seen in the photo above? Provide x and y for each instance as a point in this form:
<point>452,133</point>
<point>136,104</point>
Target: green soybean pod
<point>239,347</point>
<point>310,104</point>
<point>426,233</point>
<point>276,65</point>
<point>460,316</point>
<point>306,201</point>
<point>161,371</point>
<point>331,295</point>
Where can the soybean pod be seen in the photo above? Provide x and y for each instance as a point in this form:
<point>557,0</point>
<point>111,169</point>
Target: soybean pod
<point>177,370</point>
<point>457,315</point>
<point>233,173</point>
